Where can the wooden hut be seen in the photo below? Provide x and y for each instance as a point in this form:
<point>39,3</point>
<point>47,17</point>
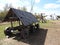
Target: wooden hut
<point>18,15</point>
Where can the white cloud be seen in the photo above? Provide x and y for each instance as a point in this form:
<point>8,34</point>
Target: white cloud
<point>14,3</point>
<point>52,6</point>
<point>17,3</point>
<point>11,1</point>
<point>4,2</point>
<point>20,3</point>
<point>1,6</point>
<point>36,9</point>
<point>37,1</point>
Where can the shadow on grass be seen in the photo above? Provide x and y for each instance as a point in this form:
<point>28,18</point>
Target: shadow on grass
<point>37,38</point>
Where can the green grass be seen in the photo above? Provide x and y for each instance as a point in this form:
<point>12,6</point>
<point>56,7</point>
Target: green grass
<point>48,24</point>
<point>2,27</point>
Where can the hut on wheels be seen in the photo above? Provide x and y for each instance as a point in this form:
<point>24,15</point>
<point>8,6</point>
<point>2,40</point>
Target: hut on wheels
<point>26,18</point>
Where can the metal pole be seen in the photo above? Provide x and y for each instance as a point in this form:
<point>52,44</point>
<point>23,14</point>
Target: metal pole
<point>32,5</point>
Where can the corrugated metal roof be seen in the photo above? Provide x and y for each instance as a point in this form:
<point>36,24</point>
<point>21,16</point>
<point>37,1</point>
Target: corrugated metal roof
<point>25,17</point>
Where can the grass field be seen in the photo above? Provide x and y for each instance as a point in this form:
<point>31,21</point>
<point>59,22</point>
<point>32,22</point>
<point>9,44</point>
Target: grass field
<point>7,24</point>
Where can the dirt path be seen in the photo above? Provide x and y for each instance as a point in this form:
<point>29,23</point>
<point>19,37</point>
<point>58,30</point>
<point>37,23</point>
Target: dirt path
<point>53,35</point>
<point>10,41</point>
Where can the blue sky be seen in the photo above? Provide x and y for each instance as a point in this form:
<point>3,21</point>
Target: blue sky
<point>40,6</point>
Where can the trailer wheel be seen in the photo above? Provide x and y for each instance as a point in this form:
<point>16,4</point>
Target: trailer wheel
<point>8,32</point>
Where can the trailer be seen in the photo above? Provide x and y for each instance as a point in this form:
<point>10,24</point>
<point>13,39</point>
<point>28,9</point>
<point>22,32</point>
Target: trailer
<point>27,23</point>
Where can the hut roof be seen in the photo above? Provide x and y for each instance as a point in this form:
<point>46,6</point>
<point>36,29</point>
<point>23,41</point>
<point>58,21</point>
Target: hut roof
<point>25,17</point>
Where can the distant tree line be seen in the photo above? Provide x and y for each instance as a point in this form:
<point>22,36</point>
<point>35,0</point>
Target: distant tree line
<point>4,12</point>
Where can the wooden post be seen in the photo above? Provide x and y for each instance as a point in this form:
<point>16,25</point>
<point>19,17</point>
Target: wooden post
<point>11,24</point>
<point>19,22</point>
